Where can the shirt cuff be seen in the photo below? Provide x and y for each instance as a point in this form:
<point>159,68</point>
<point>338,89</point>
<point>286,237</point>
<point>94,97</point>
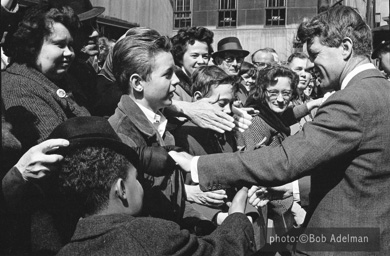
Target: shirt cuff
<point>194,169</point>
<point>295,188</point>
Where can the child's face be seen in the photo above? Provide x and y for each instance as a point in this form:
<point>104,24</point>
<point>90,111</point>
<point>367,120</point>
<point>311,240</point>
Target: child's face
<point>226,97</point>
<point>134,192</point>
<point>158,90</point>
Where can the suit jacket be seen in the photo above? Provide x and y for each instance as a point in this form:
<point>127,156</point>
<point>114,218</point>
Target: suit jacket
<point>122,234</point>
<point>346,150</point>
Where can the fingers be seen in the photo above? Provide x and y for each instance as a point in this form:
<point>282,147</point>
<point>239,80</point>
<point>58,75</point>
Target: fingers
<point>51,144</point>
<point>216,196</point>
<point>252,190</point>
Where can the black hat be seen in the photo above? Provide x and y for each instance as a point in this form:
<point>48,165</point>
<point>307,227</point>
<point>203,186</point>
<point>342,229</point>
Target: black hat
<point>92,131</point>
<point>83,8</point>
<point>231,44</point>
<point>383,46</point>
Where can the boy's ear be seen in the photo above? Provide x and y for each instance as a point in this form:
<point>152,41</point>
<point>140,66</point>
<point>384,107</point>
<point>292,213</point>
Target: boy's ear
<point>198,95</point>
<point>135,82</point>
<point>120,190</point>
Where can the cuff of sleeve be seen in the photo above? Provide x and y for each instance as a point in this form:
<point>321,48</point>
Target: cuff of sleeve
<point>295,188</point>
<point>194,169</point>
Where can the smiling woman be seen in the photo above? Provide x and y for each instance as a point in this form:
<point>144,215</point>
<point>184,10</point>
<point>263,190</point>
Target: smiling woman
<point>35,87</point>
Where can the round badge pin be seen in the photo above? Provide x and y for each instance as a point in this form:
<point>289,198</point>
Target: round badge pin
<point>61,93</point>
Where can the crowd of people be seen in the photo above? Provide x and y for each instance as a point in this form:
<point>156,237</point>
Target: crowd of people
<point>156,145</point>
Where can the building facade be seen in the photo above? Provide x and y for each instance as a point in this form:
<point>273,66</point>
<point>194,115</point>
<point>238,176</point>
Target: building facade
<point>257,23</point>
<point>261,23</point>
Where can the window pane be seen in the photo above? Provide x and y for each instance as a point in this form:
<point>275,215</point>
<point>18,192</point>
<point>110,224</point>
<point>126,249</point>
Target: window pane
<point>187,4</point>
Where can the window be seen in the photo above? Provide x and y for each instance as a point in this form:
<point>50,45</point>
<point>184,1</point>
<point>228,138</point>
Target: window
<point>275,13</point>
<point>182,14</point>
<point>227,14</point>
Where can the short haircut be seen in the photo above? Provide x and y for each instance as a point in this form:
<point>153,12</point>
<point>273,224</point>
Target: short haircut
<point>299,55</point>
<point>266,49</point>
<point>267,76</point>
<point>135,55</point>
<point>248,68</point>
<point>333,25</point>
<point>87,175</point>
<point>186,36</point>
<point>37,24</point>
<point>206,77</point>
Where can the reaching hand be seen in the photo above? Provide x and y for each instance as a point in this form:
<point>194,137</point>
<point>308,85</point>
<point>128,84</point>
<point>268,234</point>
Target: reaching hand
<point>242,119</point>
<point>183,159</point>
<point>260,196</point>
<point>7,3</point>
<point>211,198</point>
<point>204,114</point>
<point>239,201</point>
<point>35,163</point>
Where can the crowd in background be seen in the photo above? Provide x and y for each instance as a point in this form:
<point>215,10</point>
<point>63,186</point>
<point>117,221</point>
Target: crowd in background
<point>95,131</point>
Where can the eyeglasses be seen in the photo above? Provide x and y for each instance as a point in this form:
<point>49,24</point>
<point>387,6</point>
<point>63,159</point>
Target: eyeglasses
<point>275,94</point>
<point>230,59</point>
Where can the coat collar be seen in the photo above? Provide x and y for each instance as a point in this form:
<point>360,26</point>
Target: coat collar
<point>136,116</point>
<point>98,225</point>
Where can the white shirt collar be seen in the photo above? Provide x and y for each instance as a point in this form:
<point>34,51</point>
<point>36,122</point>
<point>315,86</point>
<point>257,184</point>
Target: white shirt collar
<point>354,72</point>
<point>157,119</point>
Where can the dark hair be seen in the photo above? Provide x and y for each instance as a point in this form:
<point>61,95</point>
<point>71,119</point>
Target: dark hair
<point>187,36</point>
<point>87,175</point>
<point>333,25</point>
<point>248,68</point>
<point>25,44</point>
<point>206,77</point>
<point>300,55</point>
<point>136,55</point>
<point>267,76</point>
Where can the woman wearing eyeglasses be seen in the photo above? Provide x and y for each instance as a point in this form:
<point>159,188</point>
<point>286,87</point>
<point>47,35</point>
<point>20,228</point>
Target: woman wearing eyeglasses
<point>274,89</point>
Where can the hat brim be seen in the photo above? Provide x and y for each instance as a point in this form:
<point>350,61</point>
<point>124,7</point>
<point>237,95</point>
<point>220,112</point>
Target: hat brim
<point>95,11</point>
<point>243,52</point>
<point>381,46</point>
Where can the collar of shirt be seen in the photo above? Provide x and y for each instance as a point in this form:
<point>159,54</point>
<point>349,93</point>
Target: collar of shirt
<point>354,72</point>
<point>157,119</point>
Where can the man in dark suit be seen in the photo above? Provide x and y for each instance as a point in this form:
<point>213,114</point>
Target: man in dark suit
<point>99,180</point>
<point>346,149</point>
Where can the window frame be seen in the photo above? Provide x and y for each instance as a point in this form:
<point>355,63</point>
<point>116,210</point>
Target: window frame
<point>278,6</point>
<point>227,7</point>
<point>186,15</point>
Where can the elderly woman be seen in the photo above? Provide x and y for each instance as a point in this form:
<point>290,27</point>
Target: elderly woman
<point>191,48</point>
<point>35,86</point>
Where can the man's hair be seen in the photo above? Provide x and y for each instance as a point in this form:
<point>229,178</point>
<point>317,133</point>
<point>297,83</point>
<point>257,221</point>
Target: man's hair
<point>267,76</point>
<point>299,55</point>
<point>87,175</point>
<point>266,49</point>
<point>37,24</point>
<point>206,77</point>
<point>188,36</point>
<point>135,55</point>
<point>335,24</point>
